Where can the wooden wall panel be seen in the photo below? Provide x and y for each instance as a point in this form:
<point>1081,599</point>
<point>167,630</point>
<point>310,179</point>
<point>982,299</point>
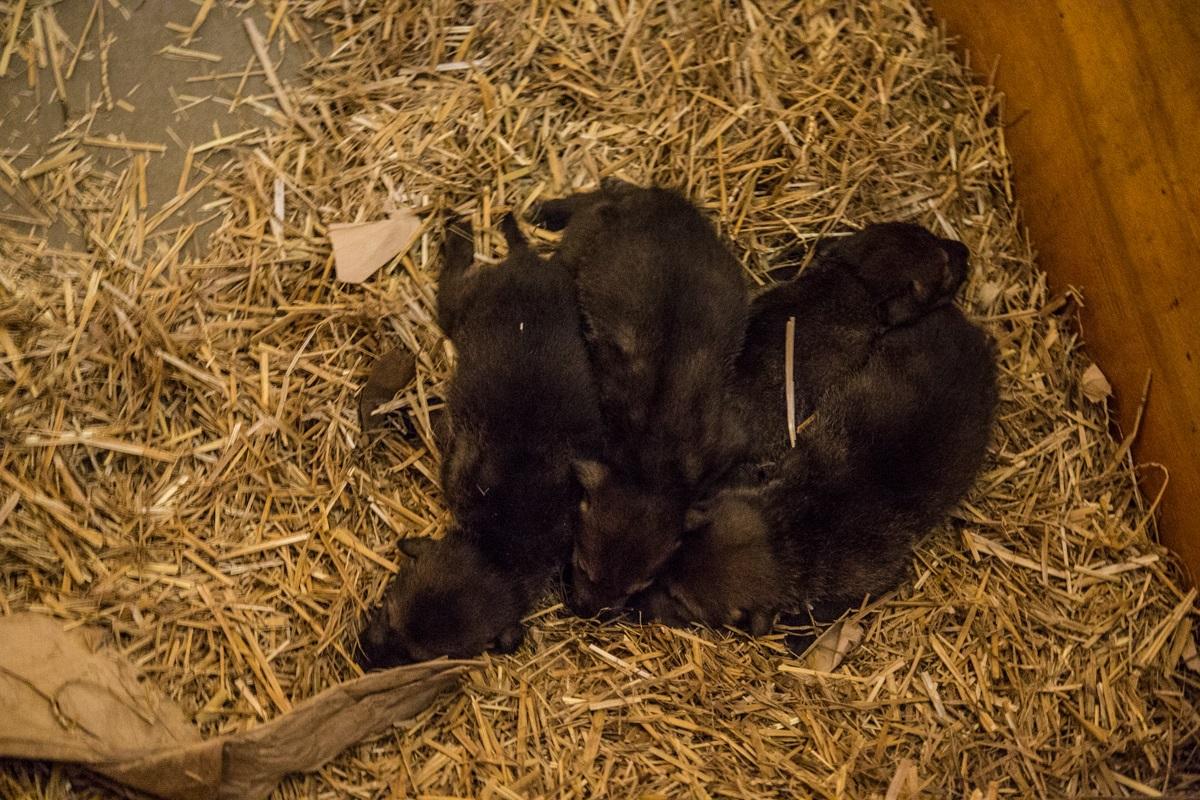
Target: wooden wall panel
<point>1103,113</point>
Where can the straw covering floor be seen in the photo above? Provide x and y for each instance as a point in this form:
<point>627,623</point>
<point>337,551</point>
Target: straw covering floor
<point>182,464</point>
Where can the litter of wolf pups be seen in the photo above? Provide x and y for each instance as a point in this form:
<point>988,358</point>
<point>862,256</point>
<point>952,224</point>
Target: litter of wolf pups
<point>616,412</point>
<point>184,465</point>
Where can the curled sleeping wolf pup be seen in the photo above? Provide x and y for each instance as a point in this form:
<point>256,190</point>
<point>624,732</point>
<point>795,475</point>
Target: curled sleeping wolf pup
<point>893,444</point>
<point>521,409</point>
<point>664,310</point>
<point>838,315</point>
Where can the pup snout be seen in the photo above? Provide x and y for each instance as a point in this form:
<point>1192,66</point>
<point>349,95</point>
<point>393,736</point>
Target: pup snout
<point>583,603</point>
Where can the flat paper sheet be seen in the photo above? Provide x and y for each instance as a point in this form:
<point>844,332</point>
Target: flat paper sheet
<point>359,249</point>
<point>64,698</point>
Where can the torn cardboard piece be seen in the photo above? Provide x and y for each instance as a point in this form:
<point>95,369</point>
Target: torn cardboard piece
<point>1095,385</point>
<point>359,249</point>
<point>62,698</point>
<point>1190,655</point>
<point>831,647</point>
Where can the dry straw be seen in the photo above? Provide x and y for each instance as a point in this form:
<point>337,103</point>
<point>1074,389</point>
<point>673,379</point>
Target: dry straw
<point>182,462</point>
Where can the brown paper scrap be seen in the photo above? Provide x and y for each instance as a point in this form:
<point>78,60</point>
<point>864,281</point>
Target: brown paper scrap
<point>63,698</point>
<point>391,373</point>
<point>1190,655</point>
<point>359,249</point>
<point>1095,386</point>
<point>832,646</point>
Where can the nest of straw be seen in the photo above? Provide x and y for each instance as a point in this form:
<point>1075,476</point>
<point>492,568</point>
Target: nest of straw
<point>182,461</point>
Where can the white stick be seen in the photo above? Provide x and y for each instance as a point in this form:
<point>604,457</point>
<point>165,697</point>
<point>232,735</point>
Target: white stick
<point>789,353</point>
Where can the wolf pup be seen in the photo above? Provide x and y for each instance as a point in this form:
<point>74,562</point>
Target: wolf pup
<point>521,409</point>
<point>900,419</point>
<point>664,309</point>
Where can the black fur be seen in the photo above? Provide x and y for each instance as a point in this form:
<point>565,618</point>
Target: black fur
<point>907,269</point>
<point>664,308</point>
<point>521,408</point>
<point>839,314</point>
<point>449,600</point>
<point>901,415</point>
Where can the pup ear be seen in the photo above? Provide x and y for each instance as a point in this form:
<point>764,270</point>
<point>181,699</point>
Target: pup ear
<point>616,185</point>
<point>697,518</point>
<point>416,547</point>
<point>512,233</point>
<point>957,265</point>
<point>949,281</point>
<point>458,244</point>
<point>591,474</point>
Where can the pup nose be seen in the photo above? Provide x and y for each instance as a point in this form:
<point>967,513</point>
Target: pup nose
<point>582,608</point>
<point>582,603</point>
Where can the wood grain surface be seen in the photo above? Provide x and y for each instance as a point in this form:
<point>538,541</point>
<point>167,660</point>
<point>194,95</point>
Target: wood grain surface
<point>1103,114</point>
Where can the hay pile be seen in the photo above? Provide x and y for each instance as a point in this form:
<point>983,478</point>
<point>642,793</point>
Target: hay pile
<point>182,462</point>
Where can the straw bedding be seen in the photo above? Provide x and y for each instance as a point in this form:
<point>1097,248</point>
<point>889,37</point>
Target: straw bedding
<point>182,462</point>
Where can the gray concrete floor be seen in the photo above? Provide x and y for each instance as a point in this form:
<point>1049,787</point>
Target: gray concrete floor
<point>155,95</point>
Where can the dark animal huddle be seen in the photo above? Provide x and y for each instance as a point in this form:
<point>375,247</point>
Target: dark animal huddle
<point>617,417</point>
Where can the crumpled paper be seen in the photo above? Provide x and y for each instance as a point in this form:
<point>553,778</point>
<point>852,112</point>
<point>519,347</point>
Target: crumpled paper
<point>1095,386</point>
<point>831,647</point>
<point>1190,655</point>
<point>65,698</point>
<point>361,248</point>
